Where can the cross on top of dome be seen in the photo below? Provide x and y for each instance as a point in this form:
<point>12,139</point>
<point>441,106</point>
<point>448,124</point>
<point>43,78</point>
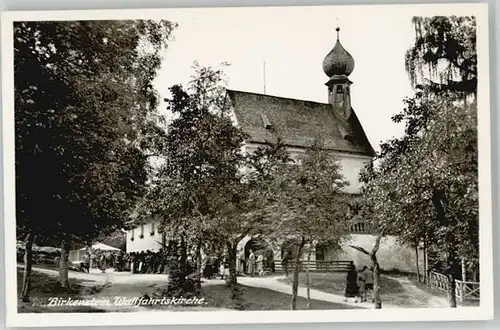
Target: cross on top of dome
<point>338,61</point>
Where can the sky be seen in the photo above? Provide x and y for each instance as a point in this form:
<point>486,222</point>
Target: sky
<point>293,43</point>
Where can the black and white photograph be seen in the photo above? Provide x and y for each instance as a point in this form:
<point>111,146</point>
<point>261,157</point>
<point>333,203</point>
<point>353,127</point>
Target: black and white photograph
<point>211,165</point>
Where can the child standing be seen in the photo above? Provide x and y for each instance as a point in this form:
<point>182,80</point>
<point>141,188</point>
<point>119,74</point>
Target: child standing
<point>368,276</point>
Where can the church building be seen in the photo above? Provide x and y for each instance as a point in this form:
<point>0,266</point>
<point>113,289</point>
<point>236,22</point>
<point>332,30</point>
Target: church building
<point>299,123</point>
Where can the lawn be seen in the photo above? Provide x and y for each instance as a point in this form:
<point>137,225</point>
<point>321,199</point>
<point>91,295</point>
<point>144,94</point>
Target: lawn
<point>44,286</point>
<point>255,299</point>
<point>391,291</point>
<point>218,297</point>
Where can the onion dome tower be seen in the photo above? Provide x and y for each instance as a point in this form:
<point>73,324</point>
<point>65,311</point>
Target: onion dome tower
<point>338,65</point>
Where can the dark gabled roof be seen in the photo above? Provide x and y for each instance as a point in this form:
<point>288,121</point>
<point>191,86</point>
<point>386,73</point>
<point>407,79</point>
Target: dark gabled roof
<point>298,123</point>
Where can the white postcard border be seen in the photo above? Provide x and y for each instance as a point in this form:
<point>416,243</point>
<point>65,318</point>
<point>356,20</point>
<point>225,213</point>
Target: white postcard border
<point>484,311</point>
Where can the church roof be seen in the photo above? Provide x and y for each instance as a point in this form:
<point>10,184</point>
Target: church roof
<point>298,123</point>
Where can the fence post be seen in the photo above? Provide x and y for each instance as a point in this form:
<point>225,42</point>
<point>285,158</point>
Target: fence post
<point>459,290</point>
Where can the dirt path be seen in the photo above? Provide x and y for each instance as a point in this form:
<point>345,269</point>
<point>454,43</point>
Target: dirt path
<point>412,297</point>
<point>114,286</point>
<point>109,276</point>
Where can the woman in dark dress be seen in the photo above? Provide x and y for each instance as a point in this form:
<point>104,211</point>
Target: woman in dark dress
<point>351,290</point>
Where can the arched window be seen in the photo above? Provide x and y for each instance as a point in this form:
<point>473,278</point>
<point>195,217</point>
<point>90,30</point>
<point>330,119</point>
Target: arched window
<point>340,90</point>
<point>142,232</point>
<point>152,232</point>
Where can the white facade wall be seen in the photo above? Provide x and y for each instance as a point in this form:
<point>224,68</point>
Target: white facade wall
<point>147,241</point>
<point>351,165</point>
<point>391,255</point>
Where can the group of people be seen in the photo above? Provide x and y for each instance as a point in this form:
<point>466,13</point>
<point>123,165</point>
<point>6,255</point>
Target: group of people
<point>150,262</point>
<point>144,262</point>
<point>359,283</point>
<point>256,263</point>
<point>156,262</point>
<point>102,260</point>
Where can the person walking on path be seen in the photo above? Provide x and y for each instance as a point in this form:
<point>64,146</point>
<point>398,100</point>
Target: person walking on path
<point>251,263</point>
<point>368,277</point>
<point>93,259</point>
<point>241,265</point>
<point>286,257</point>
<point>351,290</point>
<point>260,264</point>
<point>224,269</point>
<point>238,263</point>
<point>102,264</point>
<point>361,287</point>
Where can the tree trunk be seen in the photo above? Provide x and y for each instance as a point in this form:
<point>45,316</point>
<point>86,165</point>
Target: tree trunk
<point>376,281</point>
<point>163,239</point>
<point>295,285</point>
<point>464,270</point>
<point>231,258</point>
<point>416,264</point>
<point>63,264</point>
<point>426,265</point>
<point>183,254</point>
<point>439,205</point>
<point>452,298</point>
<point>451,272</point>
<point>28,261</point>
<point>198,267</point>
<point>237,295</point>
<point>308,284</point>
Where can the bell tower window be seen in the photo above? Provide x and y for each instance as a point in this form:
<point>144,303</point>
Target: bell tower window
<point>340,90</point>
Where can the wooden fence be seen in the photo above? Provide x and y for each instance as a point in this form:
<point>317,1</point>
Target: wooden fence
<point>320,266</point>
<point>467,290</point>
<point>463,289</point>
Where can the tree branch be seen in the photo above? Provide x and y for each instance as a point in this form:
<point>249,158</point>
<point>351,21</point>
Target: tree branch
<point>377,244</point>
<point>152,155</point>
<point>360,249</point>
<point>195,205</point>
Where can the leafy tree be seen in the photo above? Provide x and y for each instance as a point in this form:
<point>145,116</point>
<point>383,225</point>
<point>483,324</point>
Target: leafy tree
<point>424,187</point>
<point>444,55</point>
<point>429,192</point>
<point>84,108</point>
<point>206,189</point>
<point>448,179</point>
<point>201,162</point>
<point>379,209</point>
<point>307,206</point>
